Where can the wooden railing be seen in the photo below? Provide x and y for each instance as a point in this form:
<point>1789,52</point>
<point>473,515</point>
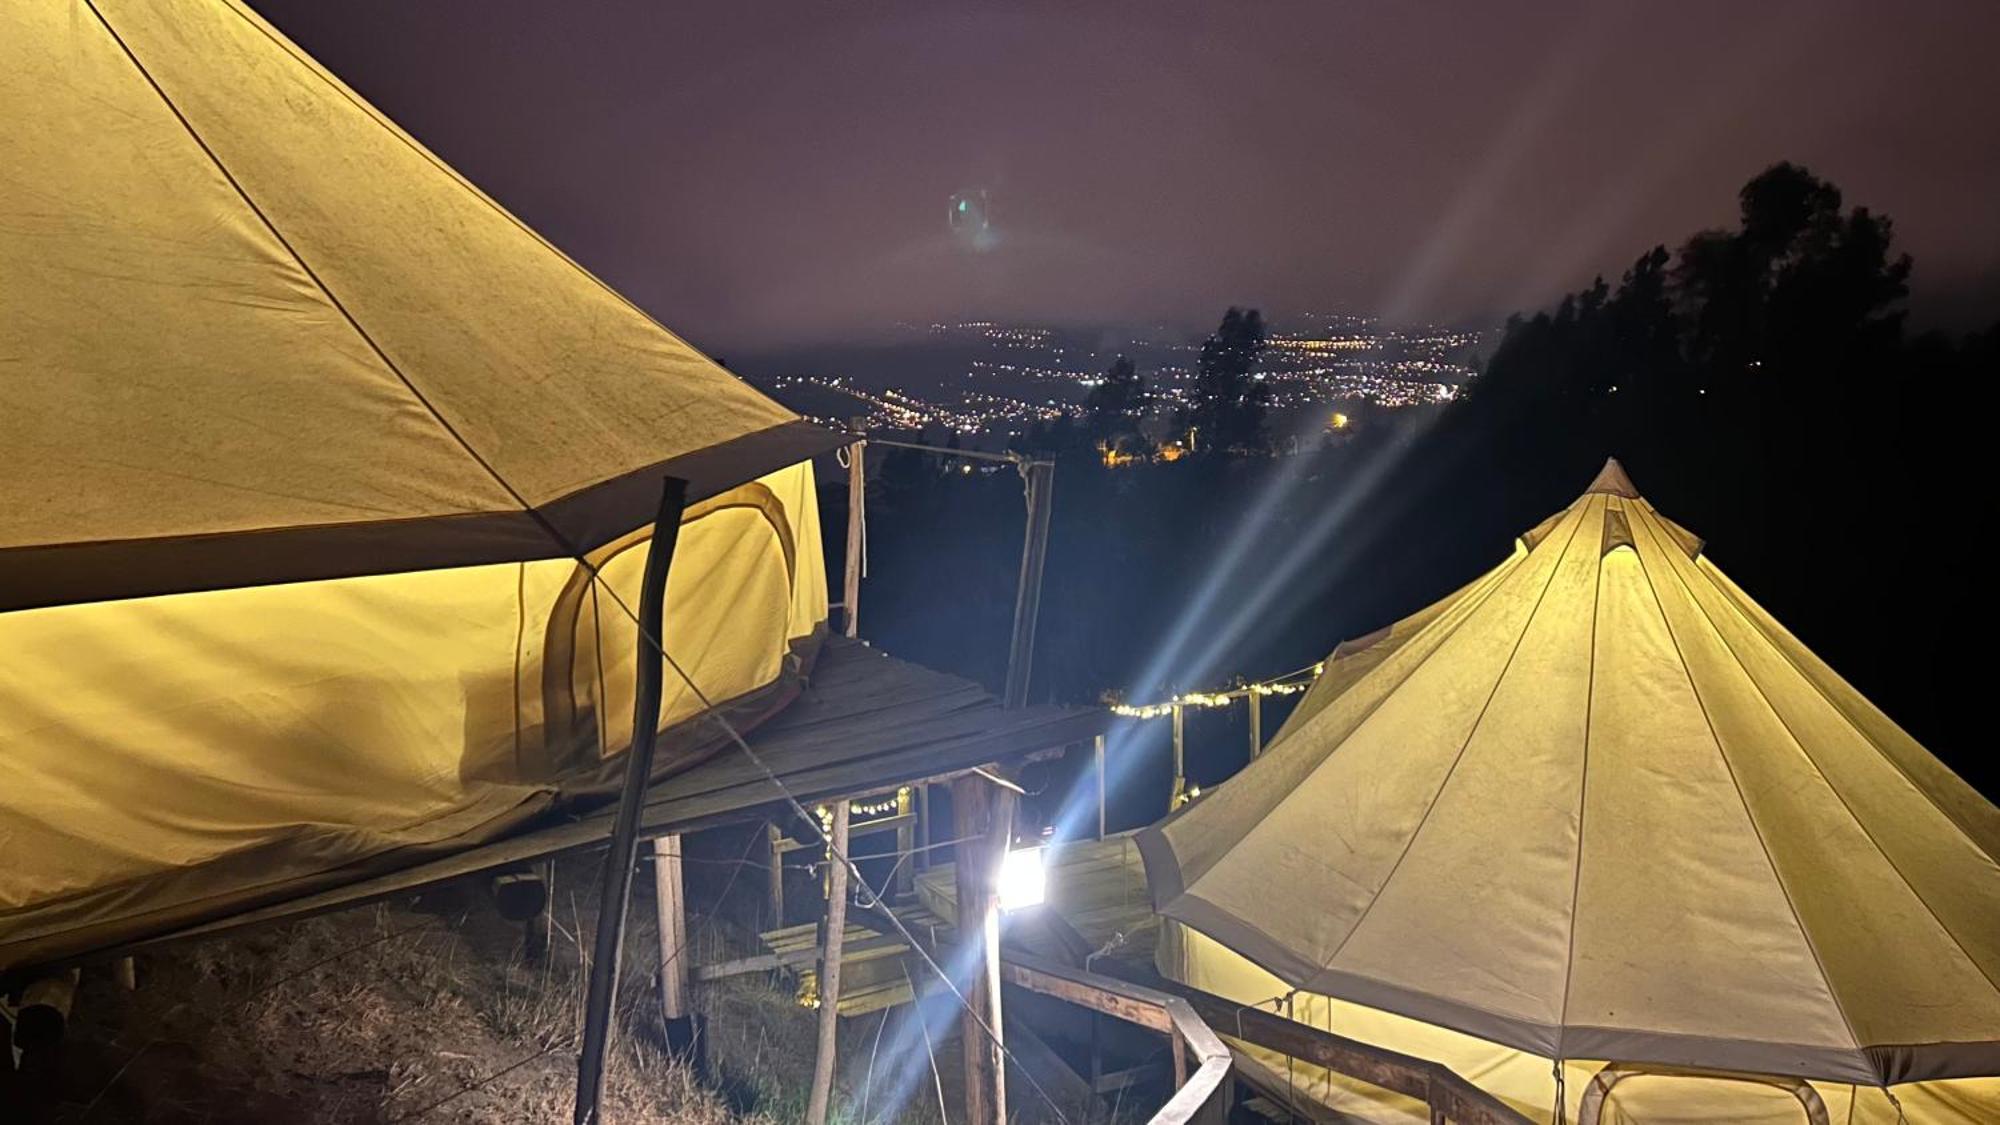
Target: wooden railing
<point>1197,1096</point>
<point>1450,1097</point>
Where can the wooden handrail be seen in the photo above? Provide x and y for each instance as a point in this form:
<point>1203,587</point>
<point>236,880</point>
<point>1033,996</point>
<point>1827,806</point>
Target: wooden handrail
<point>1149,1008</point>
<point>1449,1096</point>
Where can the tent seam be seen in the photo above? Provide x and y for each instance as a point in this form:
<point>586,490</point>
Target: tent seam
<point>1731,595</point>
<point>319,282</point>
<point>1445,783</point>
<point>396,131</point>
<point>1582,802</point>
<point>1763,845</point>
<point>1186,810</point>
<point>1833,788</point>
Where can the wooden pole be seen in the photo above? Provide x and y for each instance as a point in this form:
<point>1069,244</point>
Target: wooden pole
<point>774,842</point>
<point>1039,479</point>
<point>1098,753</point>
<point>1180,762</point>
<point>618,860</point>
<point>857,536</point>
<point>670,902</point>
<point>906,842</point>
<point>983,822</point>
<point>922,861</point>
<point>1256,723</point>
<point>829,969</point>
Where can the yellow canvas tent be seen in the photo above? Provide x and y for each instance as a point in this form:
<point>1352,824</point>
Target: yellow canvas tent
<point>1599,808</point>
<point>304,435</point>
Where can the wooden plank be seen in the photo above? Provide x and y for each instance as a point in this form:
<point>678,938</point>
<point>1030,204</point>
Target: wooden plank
<point>850,953</point>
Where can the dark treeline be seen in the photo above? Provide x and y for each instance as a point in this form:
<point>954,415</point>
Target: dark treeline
<point>1758,383</point>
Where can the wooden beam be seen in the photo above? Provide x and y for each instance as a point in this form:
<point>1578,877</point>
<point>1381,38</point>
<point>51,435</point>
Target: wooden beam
<point>829,968</point>
<point>857,533</point>
<point>1256,724</point>
<point>983,823</point>
<point>1097,751</point>
<point>670,903</point>
<point>905,883</point>
<point>776,887</point>
<point>1196,1098</point>
<point>1422,1079</point>
<point>1039,479</point>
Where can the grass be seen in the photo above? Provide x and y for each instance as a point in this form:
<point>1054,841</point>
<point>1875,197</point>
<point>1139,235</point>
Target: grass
<point>429,1009</point>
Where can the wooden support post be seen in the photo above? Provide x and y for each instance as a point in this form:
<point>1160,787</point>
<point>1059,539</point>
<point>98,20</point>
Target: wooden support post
<point>1256,723</point>
<point>1039,479</point>
<point>1179,1047</point>
<point>623,852</point>
<point>983,822</point>
<point>923,857</point>
<point>1180,761</point>
<point>829,969</point>
<point>775,845</point>
<point>906,839</point>
<point>128,974</point>
<point>44,1012</point>
<point>857,537</point>
<point>1097,751</point>
<point>670,901</point>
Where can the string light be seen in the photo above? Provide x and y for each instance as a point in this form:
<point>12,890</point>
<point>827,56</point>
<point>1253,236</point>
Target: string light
<point>1289,684</point>
<point>864,811</point>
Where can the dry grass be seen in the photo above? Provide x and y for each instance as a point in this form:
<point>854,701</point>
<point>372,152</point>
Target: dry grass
<point>428,1010</point>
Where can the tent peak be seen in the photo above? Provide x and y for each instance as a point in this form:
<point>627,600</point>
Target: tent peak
<point>1611,479</point>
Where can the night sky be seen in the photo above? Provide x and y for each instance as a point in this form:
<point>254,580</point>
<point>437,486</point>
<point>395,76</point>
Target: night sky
<point>763,174</point>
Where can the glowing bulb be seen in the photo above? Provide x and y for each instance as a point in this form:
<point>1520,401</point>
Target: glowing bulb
<point>1024,879</point>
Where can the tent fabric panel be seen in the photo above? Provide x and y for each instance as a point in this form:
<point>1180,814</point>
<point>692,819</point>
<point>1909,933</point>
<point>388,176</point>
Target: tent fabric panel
<point>1343,828</point>
<point>1973,814</point>
<point>308,724</point>
<point>1351,660</point>
<point>1187,844</point>
<point>864,721</point>
<point>1873,889</point>
<point>168,369</point>
<point>1480,906</point>
<point>175,752</point>
<point>1524,1079</point>
<point>554,379</point>
<point>1681,926</point>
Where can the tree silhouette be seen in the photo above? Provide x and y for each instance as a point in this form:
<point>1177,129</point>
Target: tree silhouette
<point>1114,399</point>
<point>1228,414</point>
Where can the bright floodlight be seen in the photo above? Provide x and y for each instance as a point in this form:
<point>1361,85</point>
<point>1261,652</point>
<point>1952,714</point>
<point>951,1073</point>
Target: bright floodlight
<point>1024,880</point>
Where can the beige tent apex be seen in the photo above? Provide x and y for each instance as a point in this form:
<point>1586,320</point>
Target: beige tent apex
<point>1612,481</point>
<point>1599,805</point>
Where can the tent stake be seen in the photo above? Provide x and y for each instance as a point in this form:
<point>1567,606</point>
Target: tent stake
<point>623,853</point>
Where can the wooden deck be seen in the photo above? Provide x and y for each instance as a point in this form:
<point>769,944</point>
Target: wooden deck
<point>1098,886</point>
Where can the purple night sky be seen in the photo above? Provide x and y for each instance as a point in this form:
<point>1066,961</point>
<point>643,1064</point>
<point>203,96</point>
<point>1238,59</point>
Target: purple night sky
<point>778,174</point>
